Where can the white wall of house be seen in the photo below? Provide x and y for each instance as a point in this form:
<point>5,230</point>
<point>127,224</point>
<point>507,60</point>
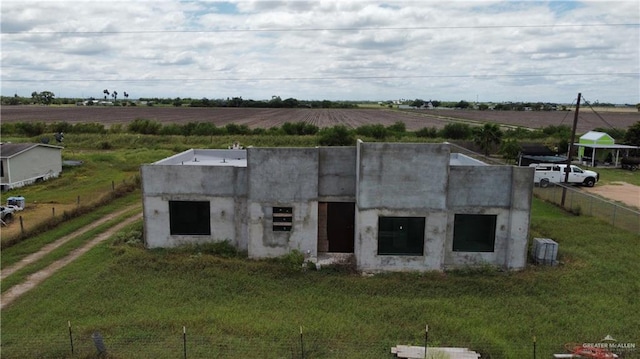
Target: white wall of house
<point>37,163</point>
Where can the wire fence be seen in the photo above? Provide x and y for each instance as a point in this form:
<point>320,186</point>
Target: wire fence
<point>581,203</point>
<point>296,347</point>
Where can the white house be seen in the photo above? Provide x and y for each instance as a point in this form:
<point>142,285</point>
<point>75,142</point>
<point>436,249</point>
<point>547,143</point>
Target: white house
<point>392,206</point>
<point>24,163</point>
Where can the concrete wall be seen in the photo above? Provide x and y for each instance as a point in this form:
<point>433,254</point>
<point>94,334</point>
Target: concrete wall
<point>401,180</point>
<point>384,180</point>
<point>337,174</point>
<point>402,176</point>
<point>282,177</point>
<point>521,198</point>
<point>223,187</point>
<point>503,191</point>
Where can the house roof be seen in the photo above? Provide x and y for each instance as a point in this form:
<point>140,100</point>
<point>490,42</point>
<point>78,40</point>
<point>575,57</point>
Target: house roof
<point>8,150</point>
<point>595,135</point>
<point>609,147</point>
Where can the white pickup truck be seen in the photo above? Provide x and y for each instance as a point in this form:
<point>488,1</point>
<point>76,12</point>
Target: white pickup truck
<point>555,173</point>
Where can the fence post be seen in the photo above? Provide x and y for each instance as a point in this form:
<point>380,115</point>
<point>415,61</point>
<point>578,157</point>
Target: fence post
<point>426,338</point>
<point>184,341</point>
<point>301,344</point>
<point>70,337</point>
<point>53,211</point>
<point>21,225</point>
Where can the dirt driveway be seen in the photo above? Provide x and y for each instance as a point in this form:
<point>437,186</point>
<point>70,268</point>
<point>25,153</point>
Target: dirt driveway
<point>36,278</point>
<point>619,191</point>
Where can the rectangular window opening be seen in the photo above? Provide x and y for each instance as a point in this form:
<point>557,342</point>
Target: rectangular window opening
<point>190,217</point>
<point>474,233</point>
<point>282,219</point>
<point>402,236</point>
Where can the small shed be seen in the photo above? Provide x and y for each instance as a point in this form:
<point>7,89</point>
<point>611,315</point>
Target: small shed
<point>25,163</point>
<point>596,138</point>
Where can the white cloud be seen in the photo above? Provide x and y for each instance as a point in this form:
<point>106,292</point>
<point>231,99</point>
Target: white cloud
<point>338,50</point>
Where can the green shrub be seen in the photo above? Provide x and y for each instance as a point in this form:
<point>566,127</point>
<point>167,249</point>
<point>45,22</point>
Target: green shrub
<point>133,237</point>
<point>456,131</point>
<point>398,128</point>
<point>427,132</point>
<point>336,136</point>
<point>31,129</point>
<point>117,128</point>
<point>61,127</point>
<point>235,129</point>
<point>299,128</point>
<point>144,126</point>
<point>376,131</point>
<point>104,145</point>
<point>292,260</point>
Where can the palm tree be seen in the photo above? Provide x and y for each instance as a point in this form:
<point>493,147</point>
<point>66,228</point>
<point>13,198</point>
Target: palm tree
<point>487,136</point>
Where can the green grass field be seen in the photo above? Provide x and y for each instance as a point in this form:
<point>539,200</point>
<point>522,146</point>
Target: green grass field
<point>139,300</point>
<point>233,307</point>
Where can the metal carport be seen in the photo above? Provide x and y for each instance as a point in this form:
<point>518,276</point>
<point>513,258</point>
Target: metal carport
<point>596,147</point>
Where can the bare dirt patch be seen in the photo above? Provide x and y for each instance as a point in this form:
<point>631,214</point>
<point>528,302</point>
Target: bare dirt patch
<point>270,117</point>
<point>619,191</point>
<point>33,215</point>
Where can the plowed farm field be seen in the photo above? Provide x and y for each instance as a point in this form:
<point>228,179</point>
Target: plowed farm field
<point>266,117</point>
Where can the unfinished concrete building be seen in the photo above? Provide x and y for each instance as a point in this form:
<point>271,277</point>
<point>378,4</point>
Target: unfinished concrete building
<point>393,206</point>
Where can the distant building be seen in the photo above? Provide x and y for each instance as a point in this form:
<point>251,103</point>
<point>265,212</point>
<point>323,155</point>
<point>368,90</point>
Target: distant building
<point>391,206</point>
<point>25,163</point>
<point>600,148</point>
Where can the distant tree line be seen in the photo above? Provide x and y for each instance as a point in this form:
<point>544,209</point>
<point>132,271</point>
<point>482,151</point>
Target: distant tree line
<point>48,98</point>
<point>274,102</point>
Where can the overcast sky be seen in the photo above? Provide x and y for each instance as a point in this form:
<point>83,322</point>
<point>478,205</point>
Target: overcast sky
<point>317,50</point>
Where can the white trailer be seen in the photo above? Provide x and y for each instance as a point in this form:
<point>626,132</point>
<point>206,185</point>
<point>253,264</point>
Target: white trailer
<point>555,173</point>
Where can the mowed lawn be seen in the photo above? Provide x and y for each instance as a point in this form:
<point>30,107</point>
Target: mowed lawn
<point>231,307</point>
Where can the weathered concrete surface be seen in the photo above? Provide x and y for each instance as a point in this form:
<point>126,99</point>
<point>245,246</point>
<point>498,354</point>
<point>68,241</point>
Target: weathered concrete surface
<point>337,173</point>
<point>382,179</point>
<point>402,176</point>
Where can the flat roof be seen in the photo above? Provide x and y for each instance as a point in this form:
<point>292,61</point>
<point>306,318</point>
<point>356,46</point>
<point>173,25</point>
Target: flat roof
<point>207,157</point>
<point>238,158</point>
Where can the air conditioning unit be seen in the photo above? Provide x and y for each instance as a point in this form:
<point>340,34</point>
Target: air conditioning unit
<point>545,251</point>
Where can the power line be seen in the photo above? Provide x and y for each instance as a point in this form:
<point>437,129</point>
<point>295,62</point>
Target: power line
<point>486,76</point>
<point>107,32</point>
<point>602,118</point>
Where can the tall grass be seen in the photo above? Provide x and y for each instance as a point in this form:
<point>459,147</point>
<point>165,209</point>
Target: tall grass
<point>139,300</point>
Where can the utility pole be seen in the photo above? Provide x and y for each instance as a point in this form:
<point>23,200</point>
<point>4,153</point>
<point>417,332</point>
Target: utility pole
<point>573,138</point>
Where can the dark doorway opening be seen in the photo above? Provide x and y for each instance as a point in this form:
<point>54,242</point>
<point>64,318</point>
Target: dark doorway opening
<point>340,226</point>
